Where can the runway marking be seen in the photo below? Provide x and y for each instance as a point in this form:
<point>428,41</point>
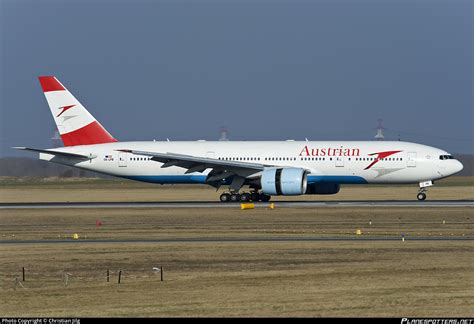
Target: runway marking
<point>207,204</point>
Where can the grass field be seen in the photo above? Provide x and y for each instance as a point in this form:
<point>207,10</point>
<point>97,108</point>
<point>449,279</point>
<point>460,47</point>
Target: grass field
<point>335,278</point>
<point>228,277</point>
<point>243,279</point>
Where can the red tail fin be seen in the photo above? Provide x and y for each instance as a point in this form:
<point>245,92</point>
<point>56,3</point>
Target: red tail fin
<point>75,124</point>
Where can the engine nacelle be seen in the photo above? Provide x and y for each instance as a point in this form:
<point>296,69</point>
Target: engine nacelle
<point>284,181</point>
<point>323,189</point>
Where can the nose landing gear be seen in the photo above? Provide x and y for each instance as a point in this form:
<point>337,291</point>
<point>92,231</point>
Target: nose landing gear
<point>423,189</point>
<point>421,196</point>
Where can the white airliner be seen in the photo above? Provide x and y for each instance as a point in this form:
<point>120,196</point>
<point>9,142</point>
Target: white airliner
<point>267,168</point>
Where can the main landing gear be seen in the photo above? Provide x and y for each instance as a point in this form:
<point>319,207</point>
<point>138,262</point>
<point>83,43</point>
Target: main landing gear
<point>244,197</point>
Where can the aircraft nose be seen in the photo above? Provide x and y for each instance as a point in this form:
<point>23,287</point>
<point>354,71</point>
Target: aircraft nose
<point>457,166</point>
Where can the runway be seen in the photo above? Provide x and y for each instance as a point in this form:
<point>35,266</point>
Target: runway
<point>243,240</point>
<point>214,204</point>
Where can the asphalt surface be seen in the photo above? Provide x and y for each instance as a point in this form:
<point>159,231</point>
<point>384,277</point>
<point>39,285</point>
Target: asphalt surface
<point>244,240</point>
<point>214,204</point>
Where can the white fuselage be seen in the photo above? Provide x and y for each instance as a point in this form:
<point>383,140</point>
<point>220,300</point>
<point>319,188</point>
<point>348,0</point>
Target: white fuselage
<point>277,168</point>
<point>326,161</point>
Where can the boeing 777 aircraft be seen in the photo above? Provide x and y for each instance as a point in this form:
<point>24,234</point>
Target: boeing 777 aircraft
<point>267,168</point>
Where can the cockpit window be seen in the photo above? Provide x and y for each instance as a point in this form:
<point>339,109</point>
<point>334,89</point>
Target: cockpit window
<point>446,157</point>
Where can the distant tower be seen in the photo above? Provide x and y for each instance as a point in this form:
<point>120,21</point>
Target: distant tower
<point>379,136</point>
<point>224,133</point>
<point>56,139</point>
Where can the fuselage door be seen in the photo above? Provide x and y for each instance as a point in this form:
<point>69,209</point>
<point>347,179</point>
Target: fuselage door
<point>411,160</point>
<point>122,159</point>
<point>339,161</point>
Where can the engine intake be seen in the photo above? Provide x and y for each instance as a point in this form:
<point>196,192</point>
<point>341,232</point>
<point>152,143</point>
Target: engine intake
<point>284,181</point>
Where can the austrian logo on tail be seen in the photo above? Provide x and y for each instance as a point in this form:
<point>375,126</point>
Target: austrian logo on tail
<point>64,108</point>
<point>380,156</point>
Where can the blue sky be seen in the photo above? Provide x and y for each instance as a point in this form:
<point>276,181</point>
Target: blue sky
<point>267,70</point>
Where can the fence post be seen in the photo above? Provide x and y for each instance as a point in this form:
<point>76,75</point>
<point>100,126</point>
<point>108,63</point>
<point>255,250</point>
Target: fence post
<point>161,272</point>
<point>66,278</point>
<point>120,275</point>
<point>23,270</point>
<point>108,275</point>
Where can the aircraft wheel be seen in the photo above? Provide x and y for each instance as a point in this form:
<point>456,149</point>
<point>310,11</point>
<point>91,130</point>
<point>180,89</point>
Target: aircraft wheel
<point>245,197</point>
<point>225,197</point>
<point>421,196</point>
<point>254,196</point>
<point>234,197</point>
<point>265,198</point>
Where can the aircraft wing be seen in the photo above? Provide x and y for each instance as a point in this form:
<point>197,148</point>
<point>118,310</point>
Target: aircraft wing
<point>59,153</point>
<point>221,169</point>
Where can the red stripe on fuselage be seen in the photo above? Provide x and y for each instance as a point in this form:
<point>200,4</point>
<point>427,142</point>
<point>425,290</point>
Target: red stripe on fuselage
<point>93,133</point>
<point>49,83</point>
<point>381,155</point>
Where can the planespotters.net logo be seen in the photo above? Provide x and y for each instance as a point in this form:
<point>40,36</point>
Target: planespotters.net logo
<point>437,321</point>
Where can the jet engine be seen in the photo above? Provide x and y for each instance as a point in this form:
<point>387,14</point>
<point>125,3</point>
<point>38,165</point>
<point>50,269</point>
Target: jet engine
<point>284,181</point>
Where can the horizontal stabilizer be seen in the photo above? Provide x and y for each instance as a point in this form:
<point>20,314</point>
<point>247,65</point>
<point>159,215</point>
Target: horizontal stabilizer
<point>59,153</point>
